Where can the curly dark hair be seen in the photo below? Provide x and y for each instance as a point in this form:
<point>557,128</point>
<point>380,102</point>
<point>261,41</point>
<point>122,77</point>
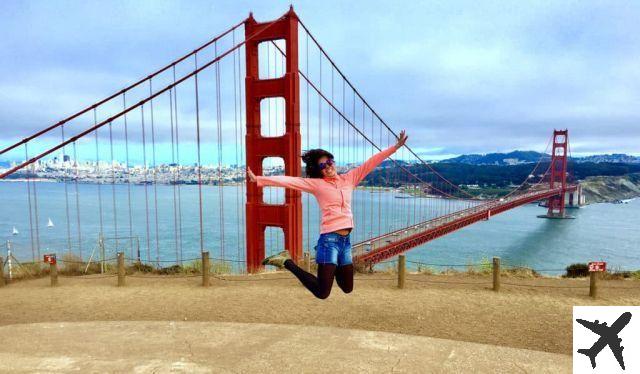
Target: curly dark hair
<point>311,158</point>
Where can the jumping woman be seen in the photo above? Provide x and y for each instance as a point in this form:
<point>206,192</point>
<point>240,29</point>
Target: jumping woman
<point>333,192</point>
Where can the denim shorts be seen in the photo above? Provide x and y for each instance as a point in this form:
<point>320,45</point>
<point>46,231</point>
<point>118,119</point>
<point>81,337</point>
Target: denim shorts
<point>334,249</point>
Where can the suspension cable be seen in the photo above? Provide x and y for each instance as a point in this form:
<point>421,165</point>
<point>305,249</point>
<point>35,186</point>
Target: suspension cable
<point>126,89</point>
<point>135,106</point>
<point>374,112</point>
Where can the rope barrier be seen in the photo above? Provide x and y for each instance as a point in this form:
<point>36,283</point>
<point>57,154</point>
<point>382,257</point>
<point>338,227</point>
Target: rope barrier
<point>540,286</point>
<point>447,282</point>
<point>448,265</point>
<point>184,260</point>
<point>87,276</point>
<point>165,276</point>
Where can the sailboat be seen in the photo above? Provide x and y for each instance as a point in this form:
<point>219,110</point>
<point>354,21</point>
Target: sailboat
<point>15,231</point>
<point>50,223</point>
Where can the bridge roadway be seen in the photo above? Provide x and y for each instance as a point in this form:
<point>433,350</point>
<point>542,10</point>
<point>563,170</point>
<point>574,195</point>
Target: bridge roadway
<point>394,243</point>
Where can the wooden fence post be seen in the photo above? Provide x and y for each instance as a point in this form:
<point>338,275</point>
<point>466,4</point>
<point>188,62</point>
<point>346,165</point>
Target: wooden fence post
<point>1,271</point>
<point>307,261</point>
<point>593,284</point>
<point>53,272</point>
<point>205,269</point>
<point>401,271</point>
<point>121,272</point>
<point>496,274</point>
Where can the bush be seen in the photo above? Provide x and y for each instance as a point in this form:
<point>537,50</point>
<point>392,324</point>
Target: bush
<point>143,268</point>
<point>29,270</point>
<point>72,264</point>
<point>175,269</point>
<point>577,270</point>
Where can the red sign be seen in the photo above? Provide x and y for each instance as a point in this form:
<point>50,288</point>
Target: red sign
<point>50,259</point>
<point>598,266</point>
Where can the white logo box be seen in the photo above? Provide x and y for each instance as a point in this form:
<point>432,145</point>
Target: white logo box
<point>584,338</point>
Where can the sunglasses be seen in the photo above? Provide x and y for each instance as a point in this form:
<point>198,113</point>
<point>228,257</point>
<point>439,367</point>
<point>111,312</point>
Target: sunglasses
<point>323,165</point>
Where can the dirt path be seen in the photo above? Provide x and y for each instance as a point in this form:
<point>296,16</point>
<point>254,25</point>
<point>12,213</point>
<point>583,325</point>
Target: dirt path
<point>458,307</point>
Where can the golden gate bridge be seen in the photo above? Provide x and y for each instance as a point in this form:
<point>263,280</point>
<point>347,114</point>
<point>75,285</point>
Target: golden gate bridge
<point>256,95</point>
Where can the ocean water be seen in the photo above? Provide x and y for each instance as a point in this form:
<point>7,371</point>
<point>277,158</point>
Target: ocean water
<point>599,232</point>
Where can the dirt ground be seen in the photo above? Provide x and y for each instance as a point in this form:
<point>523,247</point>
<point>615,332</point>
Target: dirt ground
<point>526,313</point>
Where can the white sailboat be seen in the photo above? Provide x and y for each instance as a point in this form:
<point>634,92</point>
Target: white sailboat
<point>50,223</point>
<point>15,231</point>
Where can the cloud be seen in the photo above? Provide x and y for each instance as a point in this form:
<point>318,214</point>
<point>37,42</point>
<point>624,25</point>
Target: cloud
<point>459,76</point>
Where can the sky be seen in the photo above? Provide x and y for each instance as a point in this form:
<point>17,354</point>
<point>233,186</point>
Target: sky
<point>460,76</point>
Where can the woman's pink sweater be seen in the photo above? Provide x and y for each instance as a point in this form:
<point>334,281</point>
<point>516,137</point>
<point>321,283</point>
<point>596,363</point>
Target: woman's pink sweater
<point>333,194</point>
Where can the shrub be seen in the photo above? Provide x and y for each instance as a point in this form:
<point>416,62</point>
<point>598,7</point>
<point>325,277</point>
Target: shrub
<point>174,269</point>
<point>577,270</point>
<point>143,268</point>
<point>29,270</point>
<point>72,264</point>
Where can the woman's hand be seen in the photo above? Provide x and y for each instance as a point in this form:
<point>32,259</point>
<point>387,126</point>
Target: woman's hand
<point>250,176</point>
<point>401,140</point>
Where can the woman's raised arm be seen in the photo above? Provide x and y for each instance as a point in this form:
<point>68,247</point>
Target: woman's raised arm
<point>296,183</point>
<point>358,174</point>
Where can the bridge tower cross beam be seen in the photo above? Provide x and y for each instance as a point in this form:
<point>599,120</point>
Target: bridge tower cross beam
<point>287,216</point>
<point>558,177</point>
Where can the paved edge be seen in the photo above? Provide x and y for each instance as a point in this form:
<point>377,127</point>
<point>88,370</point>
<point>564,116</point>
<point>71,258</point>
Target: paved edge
<point>228,347</point>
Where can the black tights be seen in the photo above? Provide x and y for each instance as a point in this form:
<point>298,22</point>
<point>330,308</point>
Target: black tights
<point>320,286</point>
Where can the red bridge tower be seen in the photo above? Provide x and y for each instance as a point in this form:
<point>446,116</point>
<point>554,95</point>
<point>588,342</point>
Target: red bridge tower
<point>260,215</point>
<point>558,173</point>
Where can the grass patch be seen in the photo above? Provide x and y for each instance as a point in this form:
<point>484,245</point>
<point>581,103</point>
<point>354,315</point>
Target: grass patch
<point>72,264</point>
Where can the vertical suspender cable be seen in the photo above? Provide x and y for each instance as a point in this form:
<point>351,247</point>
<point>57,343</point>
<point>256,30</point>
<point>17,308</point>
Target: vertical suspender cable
<point>175,180</point>
<point>198,150</point>
<point>128,173</point>
<point>179,166</point>
<point>364,157</point>
<point>31,230</point>
<point>280,113</point>
<point>97,171</point>
<point>113,187</point>
<point>381,187</point>
<point>242,154</point>
<point>371,188</point>
<point>308,208</point>
<point>77,176</point>
<point>155,175</point>
<point>343,128</point>
<point>146,182</point>
<point>331,114</point>
<point>36,215</point>
<point>355,150</point>
<point>237,140</point>
<point>220,180</point>
<point>66,191</point>
<point>319,215</point>
<point>320,104</point>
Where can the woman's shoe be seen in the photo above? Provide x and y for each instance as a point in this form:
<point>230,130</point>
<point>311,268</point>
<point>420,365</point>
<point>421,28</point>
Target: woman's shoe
<point>277,260</point>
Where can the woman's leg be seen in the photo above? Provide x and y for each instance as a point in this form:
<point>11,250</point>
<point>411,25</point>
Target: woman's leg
<point>319,286</point>
<point>344,277</point>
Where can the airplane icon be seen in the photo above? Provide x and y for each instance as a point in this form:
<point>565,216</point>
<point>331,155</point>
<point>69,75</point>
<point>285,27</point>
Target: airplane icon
<point>608,336</point>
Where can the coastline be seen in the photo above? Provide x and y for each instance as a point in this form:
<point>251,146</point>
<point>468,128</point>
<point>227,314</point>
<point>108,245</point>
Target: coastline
<point>609,189</point>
